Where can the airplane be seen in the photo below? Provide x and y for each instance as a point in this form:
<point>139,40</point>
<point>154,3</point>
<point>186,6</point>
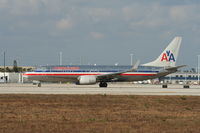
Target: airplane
<point>92,74</point>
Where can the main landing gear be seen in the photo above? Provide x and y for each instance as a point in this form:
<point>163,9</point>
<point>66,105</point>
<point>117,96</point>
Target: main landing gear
<point>103,84</point>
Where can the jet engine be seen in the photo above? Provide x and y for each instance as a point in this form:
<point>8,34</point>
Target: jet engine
<point>87,80</point>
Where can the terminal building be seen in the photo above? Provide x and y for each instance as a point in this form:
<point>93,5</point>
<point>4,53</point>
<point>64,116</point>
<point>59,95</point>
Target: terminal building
<point>181,78</point>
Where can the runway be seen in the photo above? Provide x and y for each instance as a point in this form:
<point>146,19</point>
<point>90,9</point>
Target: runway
<point>112,89</point>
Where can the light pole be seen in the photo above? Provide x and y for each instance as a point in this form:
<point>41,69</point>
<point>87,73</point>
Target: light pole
<point>198,68</point>
<point>60,58</point>
<point>4,64</point>
<point>131,59</point>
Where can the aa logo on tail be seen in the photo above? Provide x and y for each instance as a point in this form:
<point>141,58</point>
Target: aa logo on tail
<point>168,56</point>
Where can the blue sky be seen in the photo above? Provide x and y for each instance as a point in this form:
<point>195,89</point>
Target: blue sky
<point>99,31</point>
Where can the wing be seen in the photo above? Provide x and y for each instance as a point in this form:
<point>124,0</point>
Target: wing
<point>113,76</point>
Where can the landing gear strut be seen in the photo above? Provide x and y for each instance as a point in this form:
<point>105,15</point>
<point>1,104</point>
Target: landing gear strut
<point>103,84</point>
<point>39,85</point>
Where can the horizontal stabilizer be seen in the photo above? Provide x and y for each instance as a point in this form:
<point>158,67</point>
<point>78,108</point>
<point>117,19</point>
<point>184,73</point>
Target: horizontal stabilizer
<point>175,68</point>
<point>135,67</point>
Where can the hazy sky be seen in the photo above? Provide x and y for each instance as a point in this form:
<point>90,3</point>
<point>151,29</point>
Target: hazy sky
<point>99,31</point>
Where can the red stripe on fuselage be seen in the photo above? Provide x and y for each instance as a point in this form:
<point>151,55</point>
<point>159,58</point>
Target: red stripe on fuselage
<point>143,74</point>
<point>78,74</point>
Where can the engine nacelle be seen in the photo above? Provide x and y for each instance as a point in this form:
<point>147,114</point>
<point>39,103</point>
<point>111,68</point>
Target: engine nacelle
<point>87,80</point>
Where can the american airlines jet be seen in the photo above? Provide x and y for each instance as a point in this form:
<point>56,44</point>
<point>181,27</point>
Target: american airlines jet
<point>102,74</point>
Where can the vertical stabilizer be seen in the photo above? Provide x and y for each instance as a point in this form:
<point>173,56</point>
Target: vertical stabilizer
<point>169,56</point>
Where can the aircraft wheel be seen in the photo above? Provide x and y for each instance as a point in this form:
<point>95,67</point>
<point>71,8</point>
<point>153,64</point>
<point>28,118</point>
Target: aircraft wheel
<point>100,84</point>
<point>103,84</point>
<point>39,85</point>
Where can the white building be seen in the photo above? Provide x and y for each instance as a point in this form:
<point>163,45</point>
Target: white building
<point>181,77</point>
<point>11,77</point>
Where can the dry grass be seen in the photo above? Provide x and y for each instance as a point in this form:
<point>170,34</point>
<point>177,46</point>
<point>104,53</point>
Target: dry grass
<point>99,114</point>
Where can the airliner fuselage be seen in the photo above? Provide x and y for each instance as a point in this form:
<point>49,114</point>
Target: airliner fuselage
<point>72,73</point>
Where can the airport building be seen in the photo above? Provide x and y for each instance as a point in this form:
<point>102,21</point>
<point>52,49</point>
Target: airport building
<point>11,77</point>
<point>181,78</point>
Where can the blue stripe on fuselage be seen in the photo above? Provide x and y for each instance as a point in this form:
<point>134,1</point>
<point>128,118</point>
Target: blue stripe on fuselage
<point>96,71</point>
<point>104,69</point>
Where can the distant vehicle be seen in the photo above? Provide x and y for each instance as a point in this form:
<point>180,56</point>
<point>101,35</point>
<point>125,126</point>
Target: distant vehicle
<point>102,74</point>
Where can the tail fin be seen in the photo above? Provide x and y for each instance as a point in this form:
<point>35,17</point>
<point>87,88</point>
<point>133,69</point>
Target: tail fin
<point>169,56</point>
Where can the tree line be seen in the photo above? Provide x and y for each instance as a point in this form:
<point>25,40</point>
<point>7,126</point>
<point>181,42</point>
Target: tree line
<point>15,68</point>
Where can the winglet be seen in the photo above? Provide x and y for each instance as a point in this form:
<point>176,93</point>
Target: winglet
<point>111,75</point>
<point>135,67</point>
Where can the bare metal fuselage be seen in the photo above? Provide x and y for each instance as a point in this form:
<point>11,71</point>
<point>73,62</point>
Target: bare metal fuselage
<point>73,75</point>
